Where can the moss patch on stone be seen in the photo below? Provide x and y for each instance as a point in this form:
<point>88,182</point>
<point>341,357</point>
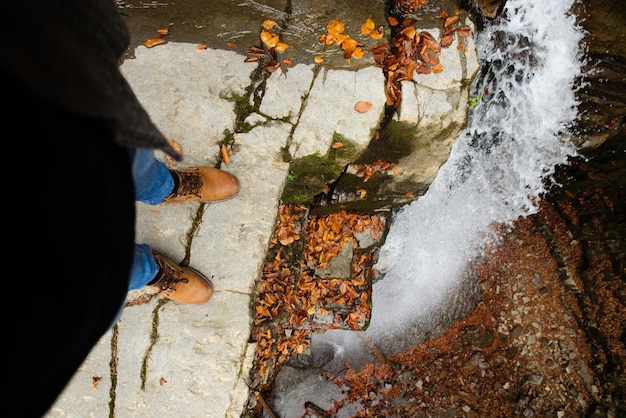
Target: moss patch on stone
<point>309,175</point>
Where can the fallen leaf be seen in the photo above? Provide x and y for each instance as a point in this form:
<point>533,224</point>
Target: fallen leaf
<point>269,38</point>
<point>451,20</point>
<point>392,21</point>
<point>336,27</point>
<point>464,31</point>
<point>268,24</point>
<point>337,144</point>
<point>174,144</point>
<point>272,66</point>
<point>154,42</point>
<point>163,31</point>
<point>287,62</point>
<point>231,44</point>
<point>162,381</point>
<point>201,47</point>
<point>225,156</point>
<point>367,27</point>
<point>446,41</point>
<point>378,33</point>
<point>318,59</point>
<point>363,107</point>
<point>281,47</point>
<point>94,381</point>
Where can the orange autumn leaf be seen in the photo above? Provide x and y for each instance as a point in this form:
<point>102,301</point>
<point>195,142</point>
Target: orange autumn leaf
<point>281,47</point>
<point>269,38</point>
<point>287,62</point>
<point>378,33</point>
<point>437,68</point>
<point>367,27</point>
<point>318,59</point>
<point>349,45</point>
<point>358,53</point>
<point>231,44</point>
<point>225,156</point>
<point>392,20</point>
<point>154,42</point>
<point>268,24</point>
<point>337,144</point>
<point>449,21</point>
<point>336,27</point>
<point>363,107</point>
<point>163,31</point>
<point>174,144</point>
<point>201,47</point>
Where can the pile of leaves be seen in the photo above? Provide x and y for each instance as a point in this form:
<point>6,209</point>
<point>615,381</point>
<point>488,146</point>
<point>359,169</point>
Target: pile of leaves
<point>412,52</point>
<point>293,300</point>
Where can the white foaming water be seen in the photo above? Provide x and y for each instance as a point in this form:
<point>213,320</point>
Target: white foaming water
<point>498,167</point>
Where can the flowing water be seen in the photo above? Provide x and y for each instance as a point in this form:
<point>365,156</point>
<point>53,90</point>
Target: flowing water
<point>531,59</point>
<point>499,167</point>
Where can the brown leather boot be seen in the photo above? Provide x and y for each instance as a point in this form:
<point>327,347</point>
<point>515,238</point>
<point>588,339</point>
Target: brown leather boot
<point>203,184</point>
<point>181,284</point>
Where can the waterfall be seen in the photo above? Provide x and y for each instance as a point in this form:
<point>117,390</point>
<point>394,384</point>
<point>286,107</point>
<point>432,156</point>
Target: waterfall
<point>497,171</point>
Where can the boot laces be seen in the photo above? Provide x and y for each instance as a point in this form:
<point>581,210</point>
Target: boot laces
<point>170,275</point>
<point>189,183</point>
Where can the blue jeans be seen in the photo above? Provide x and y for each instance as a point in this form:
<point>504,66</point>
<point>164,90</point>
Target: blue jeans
<point>153,183</point>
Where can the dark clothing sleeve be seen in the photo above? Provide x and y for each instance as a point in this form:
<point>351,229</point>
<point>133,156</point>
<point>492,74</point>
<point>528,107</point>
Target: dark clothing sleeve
<point>67,52</point>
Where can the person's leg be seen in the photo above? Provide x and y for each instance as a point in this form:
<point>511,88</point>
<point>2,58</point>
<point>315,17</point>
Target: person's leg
<point>170,280</point>
<point>144,268</point>
<point>153,181</point>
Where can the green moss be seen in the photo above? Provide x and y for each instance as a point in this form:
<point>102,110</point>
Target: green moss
<point>309,175</point>
<point>395,141</point>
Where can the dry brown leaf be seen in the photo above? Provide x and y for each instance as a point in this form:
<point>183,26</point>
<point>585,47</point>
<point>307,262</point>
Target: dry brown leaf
<point>94,381</point>
<point>451,20</point>
<point>231,44</point>
<point>174,144</point>
<point>154,42</point>
<point>363,107</point>
<point>225,156</point>
<point>446,41</point>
